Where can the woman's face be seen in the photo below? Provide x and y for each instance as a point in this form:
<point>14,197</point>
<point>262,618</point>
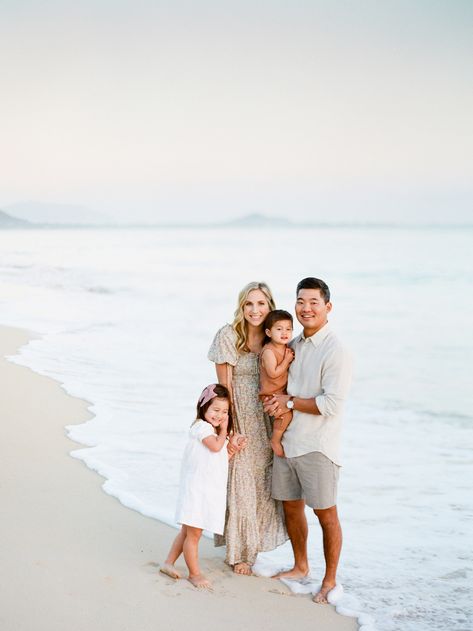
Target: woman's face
<point>256,308</point>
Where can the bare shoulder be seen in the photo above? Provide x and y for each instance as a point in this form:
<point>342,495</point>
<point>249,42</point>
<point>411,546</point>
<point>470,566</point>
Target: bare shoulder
<point>265,350</point>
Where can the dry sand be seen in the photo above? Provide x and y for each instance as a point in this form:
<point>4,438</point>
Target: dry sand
<point>73,558</point>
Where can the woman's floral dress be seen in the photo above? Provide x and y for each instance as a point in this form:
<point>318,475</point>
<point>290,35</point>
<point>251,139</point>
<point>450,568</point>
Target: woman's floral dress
<point>254,521</point>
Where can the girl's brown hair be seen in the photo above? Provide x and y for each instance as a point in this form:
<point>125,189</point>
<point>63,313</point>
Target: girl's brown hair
<point>221,393</point>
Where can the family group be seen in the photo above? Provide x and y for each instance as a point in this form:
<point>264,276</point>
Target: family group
<point>266,438</point>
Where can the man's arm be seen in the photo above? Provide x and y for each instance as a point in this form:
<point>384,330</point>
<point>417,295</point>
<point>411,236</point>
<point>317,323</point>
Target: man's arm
<point>276,405</point>
<point>336,378</point>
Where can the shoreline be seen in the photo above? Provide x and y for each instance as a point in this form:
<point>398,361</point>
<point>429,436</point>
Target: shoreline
<point>80,560</point>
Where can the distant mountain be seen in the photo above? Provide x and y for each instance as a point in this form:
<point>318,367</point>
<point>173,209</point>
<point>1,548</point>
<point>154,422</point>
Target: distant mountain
<point>57,214</point>
<point>258,220</point>
<point>7,221</point>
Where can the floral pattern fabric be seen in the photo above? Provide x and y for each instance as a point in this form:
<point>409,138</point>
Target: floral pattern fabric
<point>254,521</point>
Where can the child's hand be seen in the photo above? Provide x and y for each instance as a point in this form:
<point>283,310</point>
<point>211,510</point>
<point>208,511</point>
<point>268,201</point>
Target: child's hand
<point>222,428</point>
<point>288,355</point>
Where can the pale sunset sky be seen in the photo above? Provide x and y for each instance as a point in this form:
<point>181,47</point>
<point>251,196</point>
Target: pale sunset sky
<point>312,110</point>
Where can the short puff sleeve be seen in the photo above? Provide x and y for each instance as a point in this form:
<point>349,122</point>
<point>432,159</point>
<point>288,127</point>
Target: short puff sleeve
<point>222,349</point>
<point>201,430</point>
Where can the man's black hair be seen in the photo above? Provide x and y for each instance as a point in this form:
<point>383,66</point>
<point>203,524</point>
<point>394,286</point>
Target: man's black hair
<point>315,283</point>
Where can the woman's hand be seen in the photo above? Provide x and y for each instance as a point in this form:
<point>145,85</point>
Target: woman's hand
<point>239,441</point>
<point>236,443</point>
<point>231,449</point>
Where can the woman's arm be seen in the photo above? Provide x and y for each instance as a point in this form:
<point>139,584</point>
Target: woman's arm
<point>224,376</point>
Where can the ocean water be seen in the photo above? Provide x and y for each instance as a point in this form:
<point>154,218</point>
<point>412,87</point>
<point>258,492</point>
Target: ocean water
<point>126,318</point>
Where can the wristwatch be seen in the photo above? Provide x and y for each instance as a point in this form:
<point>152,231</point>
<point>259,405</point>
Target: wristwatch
<point>290,403</point>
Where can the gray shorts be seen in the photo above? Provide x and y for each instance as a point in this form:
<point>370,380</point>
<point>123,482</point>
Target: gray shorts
<point>311,477</point>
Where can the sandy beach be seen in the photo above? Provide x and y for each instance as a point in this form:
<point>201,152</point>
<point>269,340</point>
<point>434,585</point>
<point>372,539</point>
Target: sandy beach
<point>74,558</point>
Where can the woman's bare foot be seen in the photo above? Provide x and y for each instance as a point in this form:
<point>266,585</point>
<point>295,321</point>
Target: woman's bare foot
<point>295,574</point>
<point>321,596</point>
<point>200,582</point>
<point>242,568</point>
<point>170,570</point>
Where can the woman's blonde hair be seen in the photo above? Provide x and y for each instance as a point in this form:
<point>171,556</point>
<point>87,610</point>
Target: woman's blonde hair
<point>239,323</point>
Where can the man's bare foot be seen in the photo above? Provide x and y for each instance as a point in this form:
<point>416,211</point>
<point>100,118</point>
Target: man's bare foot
<point>295,574</point>
<point>242,568</point>
<point>200,582</point>
<point>277,449</point>
<point>169,570</point>
<point>321,596</point>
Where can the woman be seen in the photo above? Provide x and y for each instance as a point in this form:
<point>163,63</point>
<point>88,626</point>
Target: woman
<point>254,521</point>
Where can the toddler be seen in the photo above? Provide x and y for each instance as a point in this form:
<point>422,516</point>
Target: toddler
<point>275,359</point>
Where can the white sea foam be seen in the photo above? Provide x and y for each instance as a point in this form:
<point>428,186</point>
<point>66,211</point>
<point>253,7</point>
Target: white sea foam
<point>126,318</point>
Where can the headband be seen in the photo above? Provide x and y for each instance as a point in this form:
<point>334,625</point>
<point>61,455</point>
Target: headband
<point>207,394</point>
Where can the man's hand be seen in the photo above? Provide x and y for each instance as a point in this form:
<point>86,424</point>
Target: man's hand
<point>276,405</point>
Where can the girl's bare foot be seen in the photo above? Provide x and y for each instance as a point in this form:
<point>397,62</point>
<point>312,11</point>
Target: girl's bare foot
<point>169,570</point>
<point>321,596</point>
<point>242,568</point>
<point>200,582</point>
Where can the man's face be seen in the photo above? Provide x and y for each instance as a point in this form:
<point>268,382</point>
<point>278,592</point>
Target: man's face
<point>311,310</point>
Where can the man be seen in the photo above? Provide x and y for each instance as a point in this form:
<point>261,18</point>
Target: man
<point>319,379</point>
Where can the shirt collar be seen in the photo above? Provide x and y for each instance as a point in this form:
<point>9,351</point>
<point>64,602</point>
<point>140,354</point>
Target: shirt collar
<point>317,338</point>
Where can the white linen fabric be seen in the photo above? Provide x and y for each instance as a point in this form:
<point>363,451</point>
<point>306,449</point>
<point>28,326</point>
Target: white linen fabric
<point>202,494</point>
<point>322,369</point>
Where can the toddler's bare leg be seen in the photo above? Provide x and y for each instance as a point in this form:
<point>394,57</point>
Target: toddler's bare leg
<point>281,423</point>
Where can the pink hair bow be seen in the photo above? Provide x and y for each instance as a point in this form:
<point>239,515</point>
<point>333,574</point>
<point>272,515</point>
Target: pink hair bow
<point>207,394</point>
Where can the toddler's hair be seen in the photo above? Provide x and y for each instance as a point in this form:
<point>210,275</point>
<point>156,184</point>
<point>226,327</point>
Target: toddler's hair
<point>221,393</point>
<point>277,315</point>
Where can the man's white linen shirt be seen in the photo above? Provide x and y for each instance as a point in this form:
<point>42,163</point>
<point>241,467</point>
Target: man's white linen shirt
<point>321,369</point>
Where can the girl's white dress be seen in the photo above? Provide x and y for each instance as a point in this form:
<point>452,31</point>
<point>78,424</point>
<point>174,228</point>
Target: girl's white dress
<point>202,498</point>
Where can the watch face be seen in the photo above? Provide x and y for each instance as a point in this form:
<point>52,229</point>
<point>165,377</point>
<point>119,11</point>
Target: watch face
<point>290,404</point>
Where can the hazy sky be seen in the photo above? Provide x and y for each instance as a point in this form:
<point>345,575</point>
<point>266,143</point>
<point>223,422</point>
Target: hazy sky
<point>309,109</point>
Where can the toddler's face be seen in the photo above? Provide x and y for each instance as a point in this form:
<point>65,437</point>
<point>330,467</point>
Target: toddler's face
<point>217,412</point>
<point>280,332</point>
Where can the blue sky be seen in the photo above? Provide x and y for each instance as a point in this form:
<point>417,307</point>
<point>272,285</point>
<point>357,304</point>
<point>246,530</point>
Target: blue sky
<point>330,110</point>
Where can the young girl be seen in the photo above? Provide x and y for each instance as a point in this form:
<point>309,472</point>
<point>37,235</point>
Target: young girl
<point>274,366</point>
<point>202,495</point>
